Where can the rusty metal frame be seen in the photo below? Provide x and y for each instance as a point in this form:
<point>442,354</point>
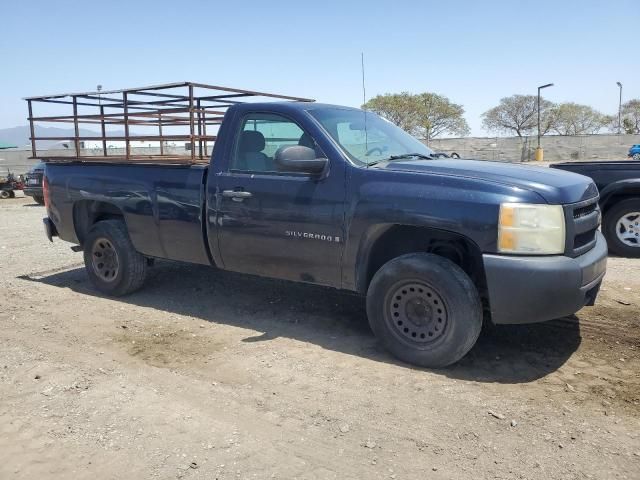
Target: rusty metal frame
<point>192,106</point>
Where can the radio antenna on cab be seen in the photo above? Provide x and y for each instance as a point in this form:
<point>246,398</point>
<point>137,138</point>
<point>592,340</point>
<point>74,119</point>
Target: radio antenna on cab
<point>364,105</point>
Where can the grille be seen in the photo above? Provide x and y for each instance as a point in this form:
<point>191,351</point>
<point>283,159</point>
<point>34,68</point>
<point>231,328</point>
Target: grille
<point>584,211</point>
<point>583,220</point>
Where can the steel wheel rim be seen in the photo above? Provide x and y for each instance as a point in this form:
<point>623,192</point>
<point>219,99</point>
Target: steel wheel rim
<point>628,229</point>
<point>104,260</point>
<point>416,313</point>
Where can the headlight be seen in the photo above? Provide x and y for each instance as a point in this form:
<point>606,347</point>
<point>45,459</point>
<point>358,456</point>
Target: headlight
<point>531,229</point>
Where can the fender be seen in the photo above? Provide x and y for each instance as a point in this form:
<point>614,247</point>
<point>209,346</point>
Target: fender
<point>628,186</point>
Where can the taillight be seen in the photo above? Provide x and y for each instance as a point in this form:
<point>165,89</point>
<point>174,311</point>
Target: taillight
<point>45,190</point>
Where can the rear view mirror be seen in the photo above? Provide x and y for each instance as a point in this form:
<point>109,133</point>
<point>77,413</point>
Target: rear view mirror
<point>296,158</point>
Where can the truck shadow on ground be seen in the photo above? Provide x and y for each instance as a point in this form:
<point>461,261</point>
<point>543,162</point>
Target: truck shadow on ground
<point>329,318</point>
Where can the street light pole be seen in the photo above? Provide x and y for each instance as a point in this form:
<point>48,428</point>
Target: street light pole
<point>539,152</point>
<point>620,109</point>
<point>540,88</point>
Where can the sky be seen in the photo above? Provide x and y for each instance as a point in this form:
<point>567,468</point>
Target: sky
<point>474,52</point>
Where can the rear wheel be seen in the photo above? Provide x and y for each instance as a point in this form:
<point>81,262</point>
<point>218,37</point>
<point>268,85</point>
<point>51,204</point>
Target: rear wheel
<point>424,309</point>
<point>4,194</point>
<point>622,228</point>
<point>112,262</point>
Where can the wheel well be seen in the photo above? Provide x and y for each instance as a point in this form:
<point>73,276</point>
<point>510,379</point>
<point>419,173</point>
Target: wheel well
<point>87,212</point>
<point>400,240</point>
<point>616,198</point>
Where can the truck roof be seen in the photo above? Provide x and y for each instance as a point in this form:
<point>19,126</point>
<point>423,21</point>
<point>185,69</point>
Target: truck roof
<point>172,114</point>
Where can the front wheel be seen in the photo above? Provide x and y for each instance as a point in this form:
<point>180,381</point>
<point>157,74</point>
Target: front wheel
<point>112,262</point>
<point>621,228</point>
<point>636,156</point>
<point>4,194</point>
<point>424,309</point>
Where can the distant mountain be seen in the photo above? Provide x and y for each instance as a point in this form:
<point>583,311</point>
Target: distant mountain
<point>20,135</point>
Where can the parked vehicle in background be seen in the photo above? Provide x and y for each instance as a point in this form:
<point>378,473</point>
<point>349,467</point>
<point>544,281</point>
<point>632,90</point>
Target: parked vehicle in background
<point>33,183</point>
<point>634,152</point>
<point>619,185</point>
<point>9,183</point>
<point>334,196</point>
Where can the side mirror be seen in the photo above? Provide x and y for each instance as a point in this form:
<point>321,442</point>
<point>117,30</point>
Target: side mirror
<point>296,158</point>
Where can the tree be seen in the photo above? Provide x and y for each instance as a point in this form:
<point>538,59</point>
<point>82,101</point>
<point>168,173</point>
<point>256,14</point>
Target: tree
<point>399,108</point>
<point>574,119</point>
<point>437,115</point>
<point>427,114</point>
<point>519,114</point>
<point>631,116</point>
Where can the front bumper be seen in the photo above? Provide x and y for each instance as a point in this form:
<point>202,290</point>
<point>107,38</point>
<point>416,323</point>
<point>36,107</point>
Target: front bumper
<point>33,191</point>
<point>535,289</point>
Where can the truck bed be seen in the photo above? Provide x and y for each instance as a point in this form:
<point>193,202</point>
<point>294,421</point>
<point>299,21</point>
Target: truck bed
<point>603,173</point>
<point>161,204</point>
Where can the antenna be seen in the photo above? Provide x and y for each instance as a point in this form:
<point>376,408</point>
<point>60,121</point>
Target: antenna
<point>364,106</point>
<point>364,90</point>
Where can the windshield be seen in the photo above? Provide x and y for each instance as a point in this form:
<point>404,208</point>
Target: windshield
<point>379,141</point>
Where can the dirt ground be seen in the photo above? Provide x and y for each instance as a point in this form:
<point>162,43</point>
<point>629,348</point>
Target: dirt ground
<point>206,374</point>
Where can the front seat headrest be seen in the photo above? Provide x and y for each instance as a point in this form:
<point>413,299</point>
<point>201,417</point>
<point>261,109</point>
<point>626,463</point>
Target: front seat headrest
<point>252,141</point>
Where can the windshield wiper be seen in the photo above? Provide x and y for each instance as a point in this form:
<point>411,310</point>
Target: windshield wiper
<point>402,157</point>
<point>409,155</point>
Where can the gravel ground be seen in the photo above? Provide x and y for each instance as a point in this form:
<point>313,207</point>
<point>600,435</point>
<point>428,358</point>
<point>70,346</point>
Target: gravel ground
<point>207,374</point>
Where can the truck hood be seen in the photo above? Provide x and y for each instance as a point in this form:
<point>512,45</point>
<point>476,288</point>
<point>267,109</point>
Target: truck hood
<point>556,187</point>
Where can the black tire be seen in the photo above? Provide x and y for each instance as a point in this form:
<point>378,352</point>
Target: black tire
<point>424,309</point>
<point>118,274</point>
<point>611,229</point>
<point>38,199</point>
<point>4,194</point>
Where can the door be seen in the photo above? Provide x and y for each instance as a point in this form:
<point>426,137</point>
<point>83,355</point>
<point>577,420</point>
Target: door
<point>276,223</point>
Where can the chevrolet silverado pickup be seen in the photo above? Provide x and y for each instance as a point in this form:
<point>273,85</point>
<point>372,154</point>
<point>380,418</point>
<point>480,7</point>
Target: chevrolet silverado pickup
<point>341,197</point>
<point>619,187</point>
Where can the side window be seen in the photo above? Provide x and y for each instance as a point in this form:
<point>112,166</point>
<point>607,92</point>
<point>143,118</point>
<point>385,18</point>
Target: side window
<point>261,135</point>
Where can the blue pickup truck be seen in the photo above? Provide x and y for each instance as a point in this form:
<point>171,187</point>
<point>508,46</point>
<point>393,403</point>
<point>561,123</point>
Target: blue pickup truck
<point>340,197</point>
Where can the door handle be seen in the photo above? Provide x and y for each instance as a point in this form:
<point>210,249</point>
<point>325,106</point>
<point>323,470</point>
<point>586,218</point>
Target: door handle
<point>237,195</point>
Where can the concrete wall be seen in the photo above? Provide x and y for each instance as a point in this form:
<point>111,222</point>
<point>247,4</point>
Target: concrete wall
<point>16,161</point>
<point>556,147</point>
